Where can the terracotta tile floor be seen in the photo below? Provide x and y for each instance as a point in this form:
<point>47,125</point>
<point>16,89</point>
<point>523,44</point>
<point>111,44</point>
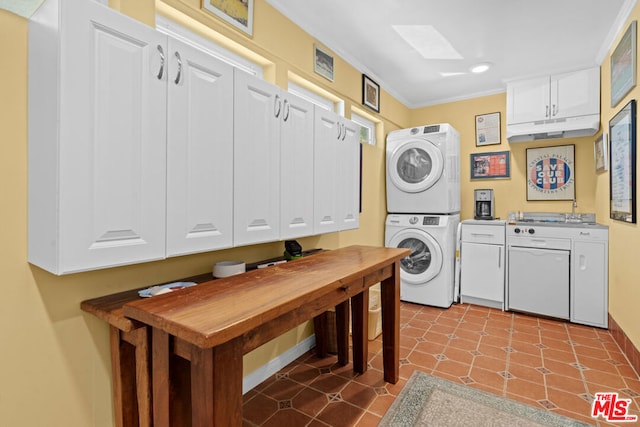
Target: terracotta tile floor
<point>544,363</point>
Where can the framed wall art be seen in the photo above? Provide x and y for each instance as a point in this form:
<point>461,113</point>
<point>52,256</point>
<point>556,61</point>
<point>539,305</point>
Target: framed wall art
<point>322,62</point>
<point>238,13</point>
<point>551,173</point>
<point>370,93</point>
<point>488,129</point>
<point>622,164</point>
<point>623,65</point>
<point>490,165</point>
<point>600,152</point>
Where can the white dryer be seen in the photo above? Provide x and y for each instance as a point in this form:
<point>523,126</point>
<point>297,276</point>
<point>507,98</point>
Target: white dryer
<point>423,170</point>
<point>427,275</point>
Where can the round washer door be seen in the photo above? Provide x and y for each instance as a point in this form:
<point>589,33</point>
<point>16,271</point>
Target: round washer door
<point>425,261</point>
<point>415,166</point>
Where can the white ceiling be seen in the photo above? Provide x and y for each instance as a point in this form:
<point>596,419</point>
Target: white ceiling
<point>521,38</point>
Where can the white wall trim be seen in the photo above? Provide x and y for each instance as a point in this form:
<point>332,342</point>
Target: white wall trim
<point>270,368</point>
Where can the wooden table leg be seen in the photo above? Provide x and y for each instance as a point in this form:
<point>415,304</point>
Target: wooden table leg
<point>320,329</point>
<point>360,330</point>
<point>342,332</point>
<point>118,365</point>
<point>390,300</point>
<point>160,378</point>
<point>216,385</point>
<point>143,382</point>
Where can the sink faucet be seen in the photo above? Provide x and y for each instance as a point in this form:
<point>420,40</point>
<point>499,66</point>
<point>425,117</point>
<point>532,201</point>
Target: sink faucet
<point>574,205</point>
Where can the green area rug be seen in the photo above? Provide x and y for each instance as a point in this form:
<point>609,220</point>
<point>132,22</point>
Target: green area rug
<point>430,401</point>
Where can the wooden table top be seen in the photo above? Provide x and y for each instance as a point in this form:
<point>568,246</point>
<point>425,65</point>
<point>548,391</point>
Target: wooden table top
<point>215,312</point>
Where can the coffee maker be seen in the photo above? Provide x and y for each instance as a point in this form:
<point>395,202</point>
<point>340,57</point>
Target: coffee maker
<point>483,202</point>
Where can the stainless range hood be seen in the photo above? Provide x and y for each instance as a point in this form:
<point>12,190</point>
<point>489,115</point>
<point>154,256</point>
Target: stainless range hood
<point>549,129</point>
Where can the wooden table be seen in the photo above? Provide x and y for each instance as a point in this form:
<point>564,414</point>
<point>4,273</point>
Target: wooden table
<point>214,324</point>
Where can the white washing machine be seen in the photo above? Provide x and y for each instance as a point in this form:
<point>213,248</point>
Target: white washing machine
<point>427,275</point>
<point>423,170</point>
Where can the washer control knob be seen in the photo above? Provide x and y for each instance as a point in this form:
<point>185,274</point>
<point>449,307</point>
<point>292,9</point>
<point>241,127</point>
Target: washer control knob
<point>516,230</point>
<point>531,231</point>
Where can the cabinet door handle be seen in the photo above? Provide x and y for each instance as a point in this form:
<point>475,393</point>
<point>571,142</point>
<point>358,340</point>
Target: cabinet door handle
<point>554,110</point>
<point>344,131</point>
<point>285,116</point>
<point>277,106</point>
<point>339,126</point>
<point>546,111</point>
<point>177,80</point>
<point>499,256</point>
<point>161,70</point>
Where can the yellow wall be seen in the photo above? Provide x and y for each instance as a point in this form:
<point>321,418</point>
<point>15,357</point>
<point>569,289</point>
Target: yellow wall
<point>55,367</point>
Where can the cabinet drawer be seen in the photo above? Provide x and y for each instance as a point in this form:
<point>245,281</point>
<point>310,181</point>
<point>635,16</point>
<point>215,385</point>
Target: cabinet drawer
<point>483,234</point>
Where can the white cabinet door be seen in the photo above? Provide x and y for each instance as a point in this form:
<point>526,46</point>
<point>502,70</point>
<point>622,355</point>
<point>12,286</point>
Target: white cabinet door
<point>97,139</point>
<point>200,149</point>
<point>296,171</point>
<point>528,100</point>
<point>327,130</point>
<point>482,274</point>
<point>256,159</point>
<point>348,190</point>
<point>575,94</point>
<point>589,295</point>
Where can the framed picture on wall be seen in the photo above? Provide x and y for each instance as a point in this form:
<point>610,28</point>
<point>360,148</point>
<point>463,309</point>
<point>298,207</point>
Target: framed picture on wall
<point>370,93</point>
<point>551,173</point>
<point>490,165</point>
<point>238,13</point>
<point>622,154</point>
<point>623,65</point>
<point>322,62</point>
<point>488,129</point>
<point>600,155</point>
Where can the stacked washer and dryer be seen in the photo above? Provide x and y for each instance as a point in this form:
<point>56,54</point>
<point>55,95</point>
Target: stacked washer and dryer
<point>423,205</point>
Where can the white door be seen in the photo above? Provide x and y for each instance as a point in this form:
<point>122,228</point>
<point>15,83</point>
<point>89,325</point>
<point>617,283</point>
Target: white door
<point>200,149</point>
<point>528,100</point>
<point>575,94</point>
<point>348,185</point>
<point>257,108</point>
<point>112,154</point>
<point>296,171</point>
<point>415,166</point>
<point>327,130</point>
<point>425,261</point>
<point>589,295</point>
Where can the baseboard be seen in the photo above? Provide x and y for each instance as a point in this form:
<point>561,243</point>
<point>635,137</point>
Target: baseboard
<point>265,371</point>
<point>625,344</point>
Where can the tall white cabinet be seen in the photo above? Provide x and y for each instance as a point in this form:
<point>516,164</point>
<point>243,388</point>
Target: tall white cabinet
<point>589,279</point>
<point>199,147</point>
<point>97,153</point>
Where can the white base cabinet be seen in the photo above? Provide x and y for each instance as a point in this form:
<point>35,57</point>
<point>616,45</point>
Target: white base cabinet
<point>482,261</point>
<point>97,145</point>
<point>589,283</point>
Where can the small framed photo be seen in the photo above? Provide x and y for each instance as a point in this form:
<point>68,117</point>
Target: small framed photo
<point>488,129</point>
<point>490,165</point>
<point>238,13</point>
<point>623,65</point>
<point>370,94</point>
<point>322,62</point>
<point>600,152</point>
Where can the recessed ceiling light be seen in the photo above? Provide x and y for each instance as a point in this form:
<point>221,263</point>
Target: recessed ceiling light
<point>427,41</point>
<point>480,68</point>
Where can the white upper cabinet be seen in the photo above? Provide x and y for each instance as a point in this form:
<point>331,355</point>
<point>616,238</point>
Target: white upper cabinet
<point>337,172</point>
<point>97,146</point>
<point>296,168</point>
<point>200,149</point>
<point>554,97</point>
<point>257,110</point>
<point>349,176</point>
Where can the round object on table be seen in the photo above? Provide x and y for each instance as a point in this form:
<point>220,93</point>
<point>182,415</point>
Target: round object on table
<point>228,268</point>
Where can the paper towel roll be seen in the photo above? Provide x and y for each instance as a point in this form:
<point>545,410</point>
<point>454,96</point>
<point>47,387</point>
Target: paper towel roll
<point>228,268</point>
